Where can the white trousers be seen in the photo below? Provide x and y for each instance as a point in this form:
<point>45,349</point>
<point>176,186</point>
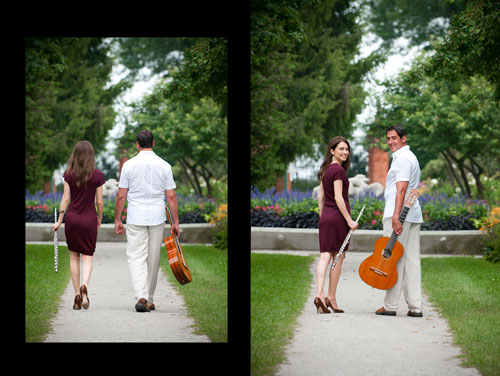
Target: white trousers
<point>409,272</point>
<point>143,254</point>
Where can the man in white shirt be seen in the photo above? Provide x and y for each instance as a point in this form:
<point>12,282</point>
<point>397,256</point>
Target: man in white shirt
<point>145,180</point>
<point>403,176</point>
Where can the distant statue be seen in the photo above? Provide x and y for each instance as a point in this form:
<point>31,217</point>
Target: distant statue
<point>358,186</point>
<point>110,188</point>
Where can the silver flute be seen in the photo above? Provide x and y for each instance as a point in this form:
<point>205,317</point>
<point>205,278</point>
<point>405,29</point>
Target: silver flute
<point>346,241</point>
<point>56,258</point>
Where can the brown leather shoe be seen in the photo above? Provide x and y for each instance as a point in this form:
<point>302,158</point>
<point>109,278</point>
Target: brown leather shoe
<point>142,305</point>
<point>151,307</point>
<point>329,304</point>
<point>320,307</point>
<point>78,302</point>
<point>383,311</point>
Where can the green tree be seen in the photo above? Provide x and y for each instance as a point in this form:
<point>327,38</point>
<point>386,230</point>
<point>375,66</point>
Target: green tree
<point>197,70</point>
<point>472,45</point>
<point>417,21</point>
<point>157,54</point>
<point>306,82</point>
<point>191,134</point>
<point>67,100</point>
<point>457,120</point>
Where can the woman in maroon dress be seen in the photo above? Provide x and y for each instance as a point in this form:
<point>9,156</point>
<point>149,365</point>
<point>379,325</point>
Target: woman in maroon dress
<point>334,219</point>
<point>84,182</point>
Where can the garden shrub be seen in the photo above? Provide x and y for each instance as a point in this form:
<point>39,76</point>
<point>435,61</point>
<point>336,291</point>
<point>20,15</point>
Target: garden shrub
<point>300,210</point>
<point>39,207</point>
<point>492,240</point>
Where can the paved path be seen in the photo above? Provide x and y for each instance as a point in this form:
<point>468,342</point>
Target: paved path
<point>112,316</point>
<point>358,342</point>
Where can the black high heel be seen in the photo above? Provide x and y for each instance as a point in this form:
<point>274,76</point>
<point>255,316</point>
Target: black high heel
<point>320,307</point>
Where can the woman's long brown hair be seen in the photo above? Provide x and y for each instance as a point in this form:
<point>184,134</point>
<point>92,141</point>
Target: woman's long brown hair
<point>328,156</point>
<point>81,163</point>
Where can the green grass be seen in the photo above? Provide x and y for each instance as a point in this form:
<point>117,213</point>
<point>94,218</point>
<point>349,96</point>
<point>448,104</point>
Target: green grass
<point>44,288</point>
<point>206,295</point>
<point>466,291</point>
<point>280,286</point>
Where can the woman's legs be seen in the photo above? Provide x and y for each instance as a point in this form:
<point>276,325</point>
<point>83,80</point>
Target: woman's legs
<point>74,266</point>
<point>324,260</point>
<point>334,281</point>
<point>86,269</point>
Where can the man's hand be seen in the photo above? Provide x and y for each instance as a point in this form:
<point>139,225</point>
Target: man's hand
<point>119,228</point>
<point>175,228</point>
<point>397,226</point>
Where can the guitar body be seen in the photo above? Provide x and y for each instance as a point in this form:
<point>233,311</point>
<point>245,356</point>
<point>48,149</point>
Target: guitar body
<point>176,256</point>
<point>176,260</point>
<point>379,271</point>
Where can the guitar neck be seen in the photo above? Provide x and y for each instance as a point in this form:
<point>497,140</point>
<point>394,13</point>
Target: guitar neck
<point>394,236</point>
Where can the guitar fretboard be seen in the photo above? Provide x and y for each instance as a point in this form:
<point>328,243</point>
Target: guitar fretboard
<point>394,236</point>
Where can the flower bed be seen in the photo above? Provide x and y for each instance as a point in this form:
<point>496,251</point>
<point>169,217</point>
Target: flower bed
<point>300,210</point>
<point>40,208</point>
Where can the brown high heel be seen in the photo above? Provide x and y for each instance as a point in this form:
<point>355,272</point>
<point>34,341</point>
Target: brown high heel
<point>320,307</point>
<point>85,296</point>
<point>78,302</point>
<point>329,304</point>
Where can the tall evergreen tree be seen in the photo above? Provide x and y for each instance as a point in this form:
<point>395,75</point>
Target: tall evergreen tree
<point>307,86</point>
<point>67,100</point>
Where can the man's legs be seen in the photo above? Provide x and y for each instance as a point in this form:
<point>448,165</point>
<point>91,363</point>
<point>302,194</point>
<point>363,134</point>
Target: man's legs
<point>137,253</point>
<point>408,268</point>
<point>153,259</point>
<point>412,282</point>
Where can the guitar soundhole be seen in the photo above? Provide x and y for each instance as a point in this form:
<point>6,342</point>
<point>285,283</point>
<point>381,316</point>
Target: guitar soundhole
<point>387,253</point>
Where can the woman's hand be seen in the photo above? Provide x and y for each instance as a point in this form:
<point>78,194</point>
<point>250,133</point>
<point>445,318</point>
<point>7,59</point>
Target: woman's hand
<point>352,225</point>
<point>98,223</point>
<point>55,226</point>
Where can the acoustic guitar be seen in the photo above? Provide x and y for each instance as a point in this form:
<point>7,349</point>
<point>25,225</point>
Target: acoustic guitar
<point>379,270</point>
<point>176,257</point>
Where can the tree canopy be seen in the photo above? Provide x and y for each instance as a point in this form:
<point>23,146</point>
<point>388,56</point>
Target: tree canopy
<point>67,100</point>
<point>472,45</point>
<point>186,111</point>
<point>306,80</point>
<point>456,120</point>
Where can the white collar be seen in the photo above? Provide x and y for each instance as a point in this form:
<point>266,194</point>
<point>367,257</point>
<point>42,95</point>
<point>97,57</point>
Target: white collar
<point>397,152</point>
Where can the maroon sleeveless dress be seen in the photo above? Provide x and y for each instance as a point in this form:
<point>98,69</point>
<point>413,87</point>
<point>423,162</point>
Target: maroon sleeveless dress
<point>80,225</point>
<point>333,227</point>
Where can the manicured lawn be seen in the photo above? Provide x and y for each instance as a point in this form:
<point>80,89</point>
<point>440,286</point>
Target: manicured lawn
<point>206,295</point>
<point>43,288</point>
<point>466,291</point>
<point>279,288</point>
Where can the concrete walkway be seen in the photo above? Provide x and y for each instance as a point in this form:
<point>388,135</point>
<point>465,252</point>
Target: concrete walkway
<point>112,316</point>
<point>358,342</point>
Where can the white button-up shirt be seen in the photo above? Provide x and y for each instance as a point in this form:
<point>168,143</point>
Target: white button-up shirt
<point>146,176</point>
<point>404,167</point>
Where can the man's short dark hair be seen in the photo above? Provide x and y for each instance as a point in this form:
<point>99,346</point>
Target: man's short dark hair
<point>399,130</point>
<point>145,139</point>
